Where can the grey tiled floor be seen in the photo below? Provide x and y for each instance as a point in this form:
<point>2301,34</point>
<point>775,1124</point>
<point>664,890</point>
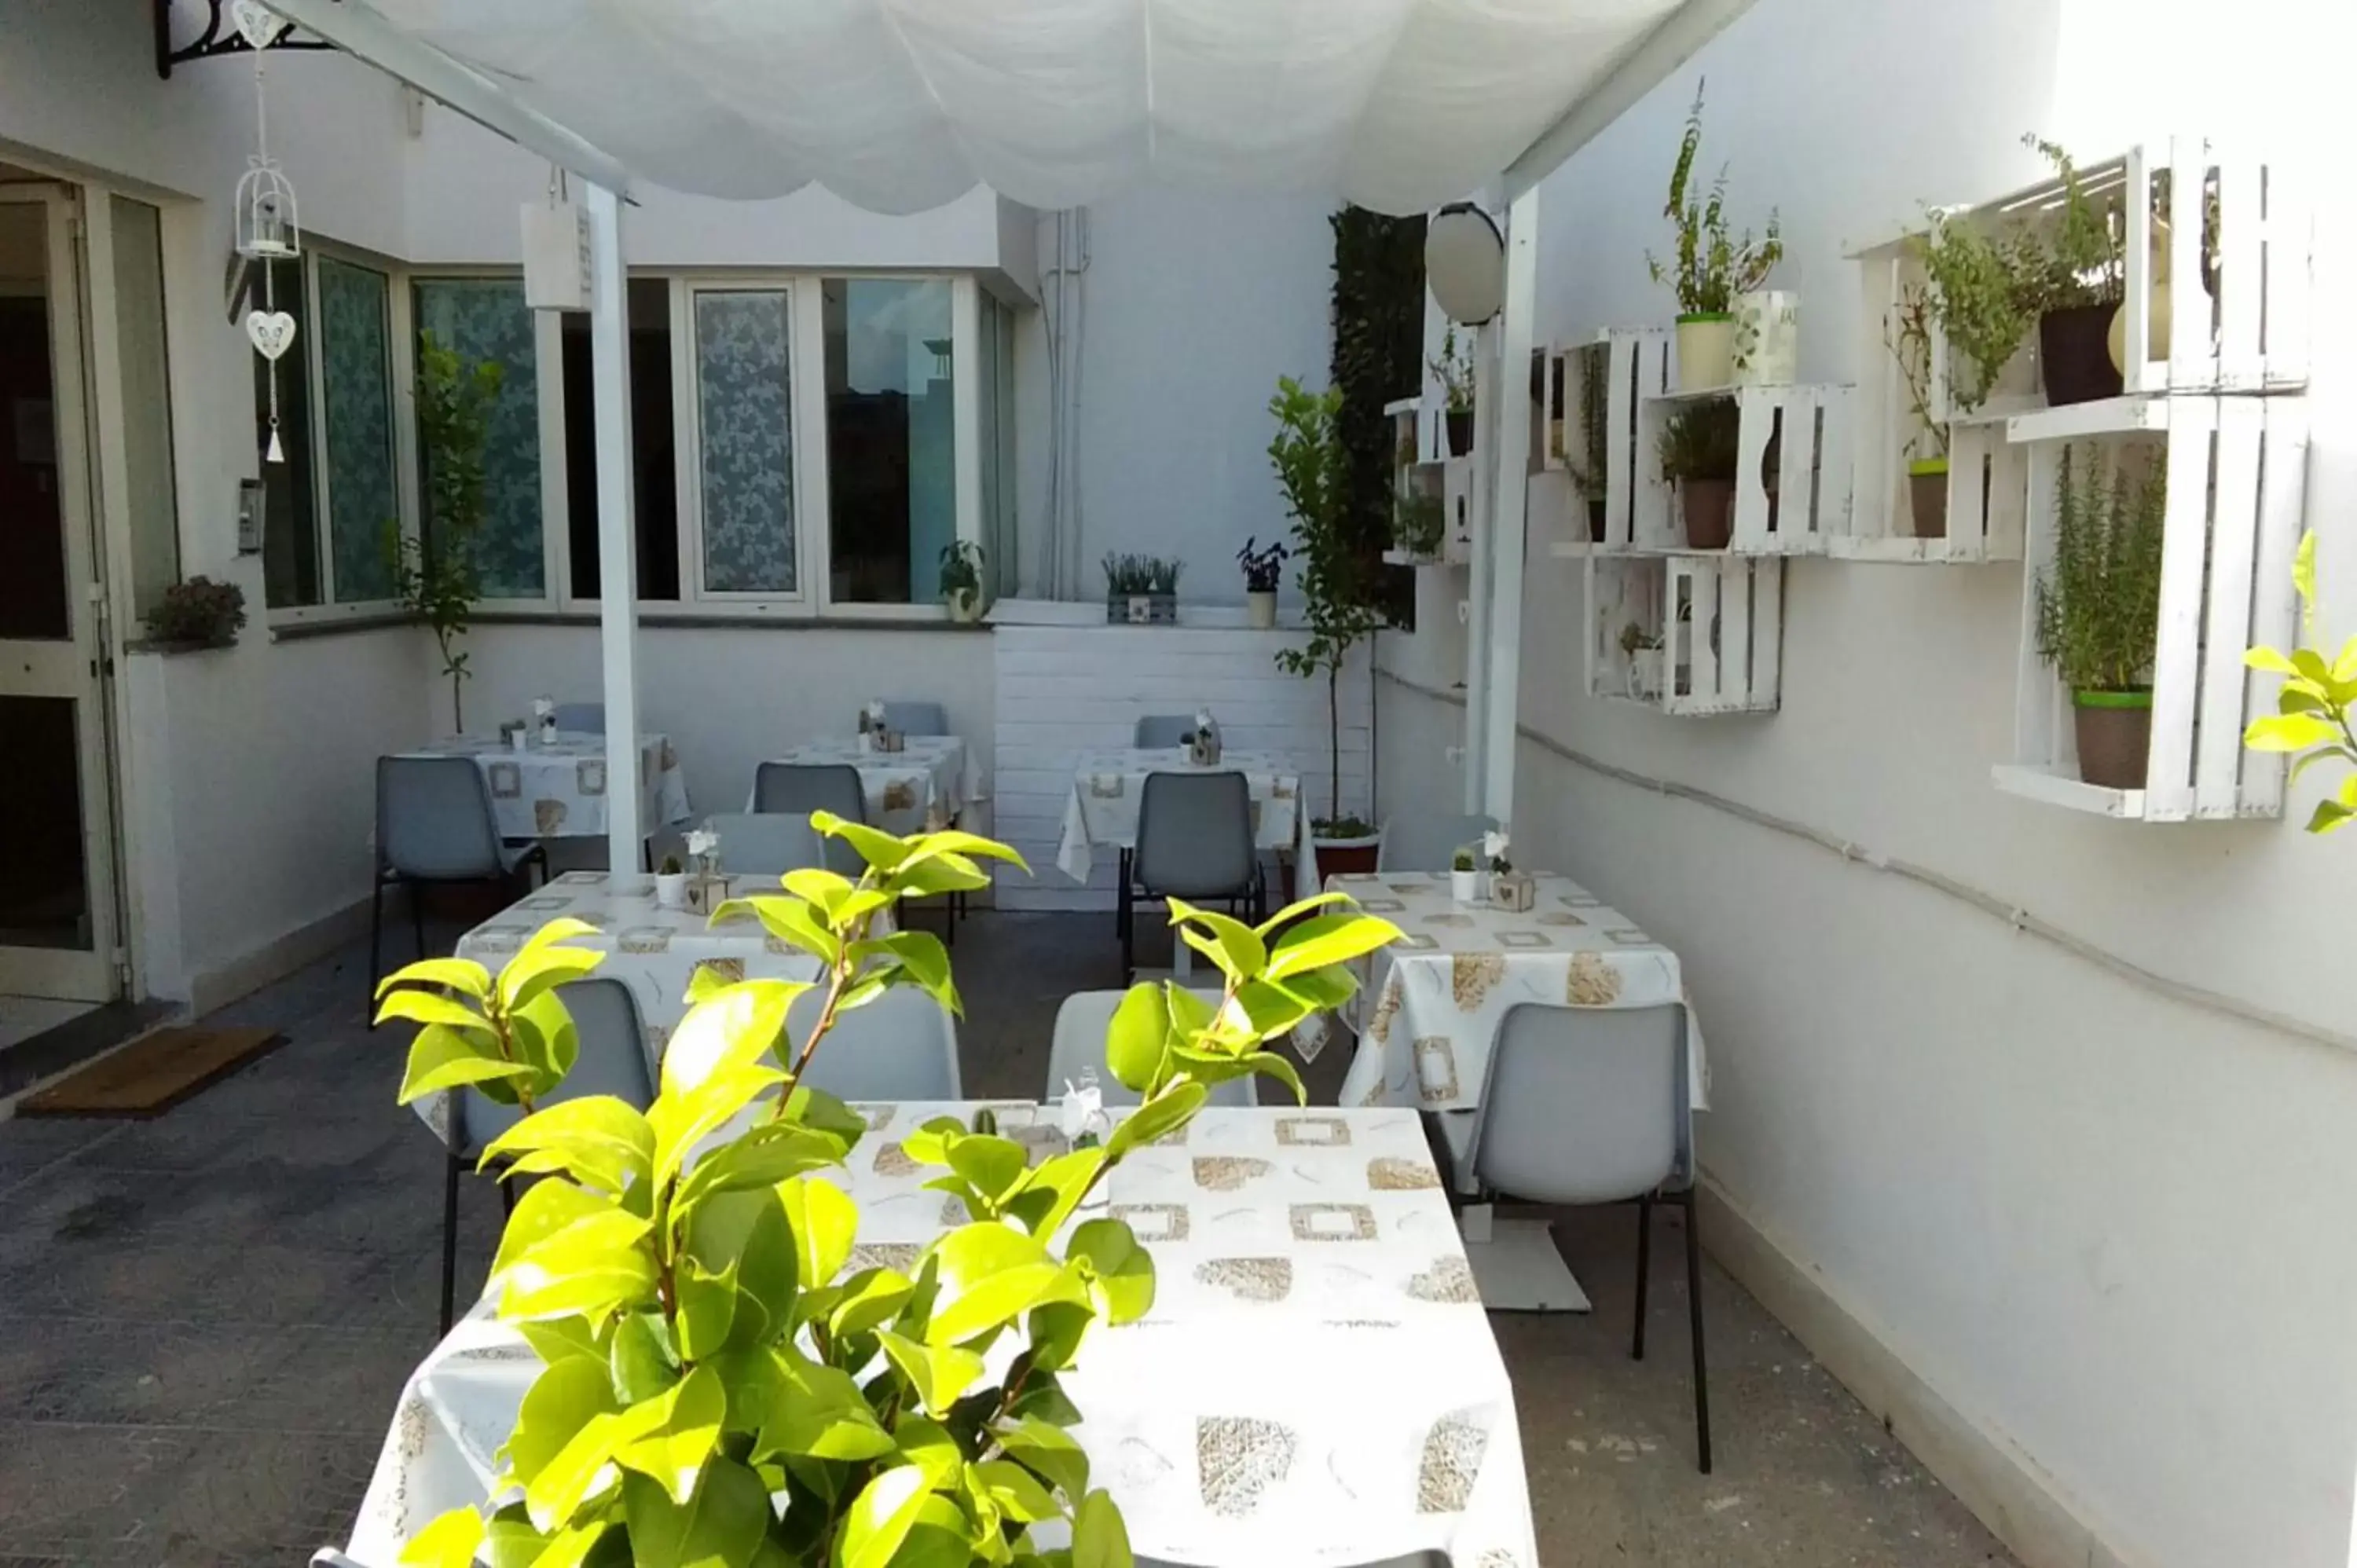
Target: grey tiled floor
<point>206,1320</point>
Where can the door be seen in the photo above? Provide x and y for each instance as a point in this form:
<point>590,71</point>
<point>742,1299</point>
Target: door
<point>56,907</point>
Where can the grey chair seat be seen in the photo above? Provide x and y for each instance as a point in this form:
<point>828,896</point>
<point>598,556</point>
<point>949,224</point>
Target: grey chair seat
<point>768,844</point>
<point>1162,732</point>
<point>916,717</point>
<point>581,718</point>
<point>1420,842</point>
<point>899,1046</point>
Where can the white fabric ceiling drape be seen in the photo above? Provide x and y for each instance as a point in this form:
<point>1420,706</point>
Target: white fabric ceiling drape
<point>898,105</point>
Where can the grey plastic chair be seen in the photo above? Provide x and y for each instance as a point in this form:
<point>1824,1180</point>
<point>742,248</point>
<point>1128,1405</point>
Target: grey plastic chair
<point>581,718</point>
<point>1419,843</point>
<point>1194,842</point>
<point>1162,732</point>
<point>808,786</point>
<point>435,823</point>
<point>768,844</point>
<point>1590,1105</point>
<point>899,1046</point>
<point>916,717</point>
<point>612,1060</point>
<point>1080,1042</point>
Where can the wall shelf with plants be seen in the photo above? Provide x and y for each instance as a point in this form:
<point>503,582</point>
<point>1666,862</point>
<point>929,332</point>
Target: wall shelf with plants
<point>1691,635</point>
<point>1431,494</point>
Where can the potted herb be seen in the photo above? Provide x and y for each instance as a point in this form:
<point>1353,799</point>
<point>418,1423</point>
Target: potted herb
<point>1588,469</point>
<point>1418,525</point>
<point>1464,877</point>
<point>671,883</point>
<point>1263,569</point>
<point>1697,449</point>
<point>435,578</point>
<point>1455,369</point>
<point>2099,612</point>
<point>197,614</point>
<point>1338,591</point>
<point>1162,589</point>
<point>1129,589</point>
<point>1712,266</point>
<point>962,581</point>
<point>1642,649</point>
<point>2076,282</point>
<point>1907,335</point>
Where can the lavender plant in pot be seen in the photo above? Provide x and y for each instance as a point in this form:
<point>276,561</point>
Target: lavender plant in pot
<point>2099,611</point>
<point>1713,264</point>
<point>1698,450</point>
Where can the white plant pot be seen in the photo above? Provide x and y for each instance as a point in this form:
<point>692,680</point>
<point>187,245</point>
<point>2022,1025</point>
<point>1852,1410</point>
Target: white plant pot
<point>1705,351</point>
<point>671,889</point>
<point>1465,886</point>
<point>1260,610</point>
<point>1767,349</point>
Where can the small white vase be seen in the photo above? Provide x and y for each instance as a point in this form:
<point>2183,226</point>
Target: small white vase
<point>1465,886</point>
<point>671,889</point>
<point>1645,674</point>
<point>1767,350</point>
<point>1260,610</point>
<point>1705,351</point>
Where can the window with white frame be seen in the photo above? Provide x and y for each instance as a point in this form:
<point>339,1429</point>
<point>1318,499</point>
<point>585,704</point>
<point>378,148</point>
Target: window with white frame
<point>485,320</point>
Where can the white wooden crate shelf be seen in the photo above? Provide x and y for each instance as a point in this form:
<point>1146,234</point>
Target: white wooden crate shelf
<point>2236,476</point>
<point>1720,618</point>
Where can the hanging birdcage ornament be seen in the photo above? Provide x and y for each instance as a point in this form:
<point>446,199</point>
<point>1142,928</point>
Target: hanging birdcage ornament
<point>268,227</point>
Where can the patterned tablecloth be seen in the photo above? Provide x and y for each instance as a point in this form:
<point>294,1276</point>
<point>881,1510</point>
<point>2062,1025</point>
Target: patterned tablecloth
<point>1440,993</point>
<point>652,950</point>
<point>559,792</point>
<point>1316,1383</point>
<point>1107,787</point>
<point>915,791</point>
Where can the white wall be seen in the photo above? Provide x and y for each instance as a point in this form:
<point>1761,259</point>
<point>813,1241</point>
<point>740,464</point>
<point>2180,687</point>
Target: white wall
<point>2108,1227</point>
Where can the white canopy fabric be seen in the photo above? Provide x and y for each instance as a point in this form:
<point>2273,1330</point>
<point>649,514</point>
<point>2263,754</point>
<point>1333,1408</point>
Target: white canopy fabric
<point>900,105</point>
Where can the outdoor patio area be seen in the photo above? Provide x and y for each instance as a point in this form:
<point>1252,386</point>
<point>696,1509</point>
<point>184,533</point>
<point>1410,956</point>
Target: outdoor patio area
<point>205,1319</point>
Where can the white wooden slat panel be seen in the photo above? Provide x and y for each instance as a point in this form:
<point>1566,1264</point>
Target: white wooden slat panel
<point>2290,242</point>
<point>2041,736</point>
<point>2234,537</point>
<point>1768,634</point>
<point>1735,636</point>
<point>2275,613</point>
<point>1705,590</point>
<point>2136,345</point>
<point>2168,786</point>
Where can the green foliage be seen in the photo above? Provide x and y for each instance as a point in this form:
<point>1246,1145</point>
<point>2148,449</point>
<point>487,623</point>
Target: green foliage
<point>1593,365</point>
<point>1264,567</point>
<point>2099,601</point>
<point>1378,308</point>
<point>2081,258</point>
<point>1419,524</point>
<point>1454,366</point>
<point>1907,335</point>
<point>1127,574</point>
<point>435,578</point>
<point>199,610</point>
<point>1462,860</point>
<point>2314,706</point>
<point>716,1388</point>
<point>1713,264</point>
<point>1308,456</point>
<point>962,567</point>
<point>1700,440</point>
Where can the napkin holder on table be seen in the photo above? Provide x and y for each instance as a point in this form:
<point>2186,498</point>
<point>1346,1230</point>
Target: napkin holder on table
<point>890,741</point>
<point>707,890</point>
<point>1514,890</point>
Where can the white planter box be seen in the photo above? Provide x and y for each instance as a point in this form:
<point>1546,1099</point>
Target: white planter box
<point>1720,618</point>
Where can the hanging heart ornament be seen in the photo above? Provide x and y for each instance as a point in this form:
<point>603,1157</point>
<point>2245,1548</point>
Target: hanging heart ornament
<point>257,24</point>
<point>273,332</point>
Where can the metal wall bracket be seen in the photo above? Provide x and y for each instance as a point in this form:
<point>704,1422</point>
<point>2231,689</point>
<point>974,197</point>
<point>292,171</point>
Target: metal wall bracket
<point>218,39</point>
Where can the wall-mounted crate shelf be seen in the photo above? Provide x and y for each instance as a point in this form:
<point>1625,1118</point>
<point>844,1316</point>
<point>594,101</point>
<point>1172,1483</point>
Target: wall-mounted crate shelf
<point>2236,476</point>
<point>1571,433</point>
<point>1792,468</point>
<point>1422,474</point>
<point>1720,621</point>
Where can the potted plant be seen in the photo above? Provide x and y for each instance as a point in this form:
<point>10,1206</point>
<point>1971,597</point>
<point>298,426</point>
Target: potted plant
<point>1419,525</point>
<point>1464,877</point>
<point>671,883</point>
<point>1907,335</point>
<point>1263,569</point>
<point>1642,649</point>
<point>1338,591</point>
<point>1128,590</point>
<point>1162,589</point>
<point>2076,283</point>
<point>1713,264</point>
<point>197,614</point>
<point>1589,468</point>
<point>1697,449</point>
<point>962,581</point>
<point>1455,369</point>
<point>2099,612</point>
<point>434,578</point>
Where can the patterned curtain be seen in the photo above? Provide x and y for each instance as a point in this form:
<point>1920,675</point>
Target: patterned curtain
<point>745,428</point>
<point>356,389</point>
<point>485,319</point>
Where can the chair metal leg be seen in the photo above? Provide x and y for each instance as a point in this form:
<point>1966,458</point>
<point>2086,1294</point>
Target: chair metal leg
<point>1694,1308</point>
<point>507,1194</point>
<point>449,1237</point>
<point>1122,913</point>
<point>416,913</point>
<point>1644,1269</point>
<point>376,941</point>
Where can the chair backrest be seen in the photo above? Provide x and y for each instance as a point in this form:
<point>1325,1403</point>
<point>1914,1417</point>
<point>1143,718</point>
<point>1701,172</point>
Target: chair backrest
<point>1417,841</point>
<point>808,786</point>
<point>433,818</point>
<point>1195,834</point>
<point>581,718</point>
<point>899,1046</point>
<point>612,1060</point>
<point>1162,732</point>
<point>916,717</point>
<point>1080,1041</point>
<point>767,843</point>
<point>1584,1104</point>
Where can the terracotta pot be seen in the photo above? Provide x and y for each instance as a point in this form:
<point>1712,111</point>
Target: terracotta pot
<point>1348,857</point>
<point>1705,351</point>
<point>2115,734</point>
<point>1595,522</point>
<point>1460,432</point>
<point>2074,352</point>
<point>1927,497</point>
<point>1709,506</point>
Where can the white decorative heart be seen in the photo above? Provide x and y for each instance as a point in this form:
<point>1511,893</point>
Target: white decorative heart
<point>257,24</point>
<point>273,332</point>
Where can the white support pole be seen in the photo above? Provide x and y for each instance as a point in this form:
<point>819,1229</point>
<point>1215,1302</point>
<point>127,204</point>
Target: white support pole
<point>618,577</point>
<point>1477,574</point>
<point>1509,517</point>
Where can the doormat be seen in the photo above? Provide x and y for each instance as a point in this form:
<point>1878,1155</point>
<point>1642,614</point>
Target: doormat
<point>152,1075</point>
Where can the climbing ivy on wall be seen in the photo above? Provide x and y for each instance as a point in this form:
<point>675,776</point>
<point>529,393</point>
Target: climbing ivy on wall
<point>1378,359</point>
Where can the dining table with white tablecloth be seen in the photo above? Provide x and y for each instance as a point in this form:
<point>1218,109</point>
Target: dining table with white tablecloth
<point>1315,1383</point>
<point>558,789</point>
<point>1109,792</point>
<point>922,788</point>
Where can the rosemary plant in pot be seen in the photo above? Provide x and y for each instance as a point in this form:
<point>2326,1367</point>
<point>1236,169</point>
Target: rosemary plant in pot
<point>1699,451</point>
<point>1713,264</point>
<point>2099,611</point>
<point>1455,369</point>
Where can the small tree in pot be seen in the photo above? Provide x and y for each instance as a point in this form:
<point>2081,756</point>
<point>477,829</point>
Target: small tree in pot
<point>2099,612</point>
<point>1699,449</point>
<point>435,578</point>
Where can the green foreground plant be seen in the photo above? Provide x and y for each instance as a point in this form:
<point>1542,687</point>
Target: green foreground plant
<point>434,578</point>
<point>2314,707</point>
<point>1713,264</point>
<point>721,1385</point>
<point>2099,600</point>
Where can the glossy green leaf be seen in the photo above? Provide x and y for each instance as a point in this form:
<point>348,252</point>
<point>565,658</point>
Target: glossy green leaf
<point>1325,940</point>
<point>597,1139</point>
<point>546,1208</point>
<point>870,1299</point>
<point>927,1444</point>
<point>639,1358</point>
<point>561,1339</point>
<point>822,1113</point>
<point>541,966</point>
<point>733,1028</point>
<point>449,1541</point>
<point>1298,908</point>
<point>1100,1539</point>
<point>1268,1064</point>
<point>880,1517</point>
<point>1159,1117</point>
<point>1068,1177</point>
<point>995,1165</point>
<point>2268,659</point>
<point>879,849</point>
<point>674,1454</point>
<point>1123,1283</point>
<point>563,1399</point>
<point>583,1469</point>
<point>748,1231</point>
<point>820,888</point>
<point>1014,1490</point>
<point>819,1414</point>
<point>510,1541</point>
<point>2329,816</point>
<point>1138,1037</point>
<point>954,840</point>
<point>2289,731</point>
<point>706,1313</point>
<point>762,1158</point>
<point>1055,1331</point>
<point>441,1059</point>
<point>1227,941</point>
<point>433,1007</point>
<point>593,1544</point>
<point>942,874</point>
<point>545,1037</point>
<point>938,1372</point>
<point>989,1274</point>
<point>458,973</point>
<point>681,1121</point>
<point>824,1224</point>
<point>790,920</point>
<point>1049,1452</point>
<point>595,1266</point>
<point>719,1525</point>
